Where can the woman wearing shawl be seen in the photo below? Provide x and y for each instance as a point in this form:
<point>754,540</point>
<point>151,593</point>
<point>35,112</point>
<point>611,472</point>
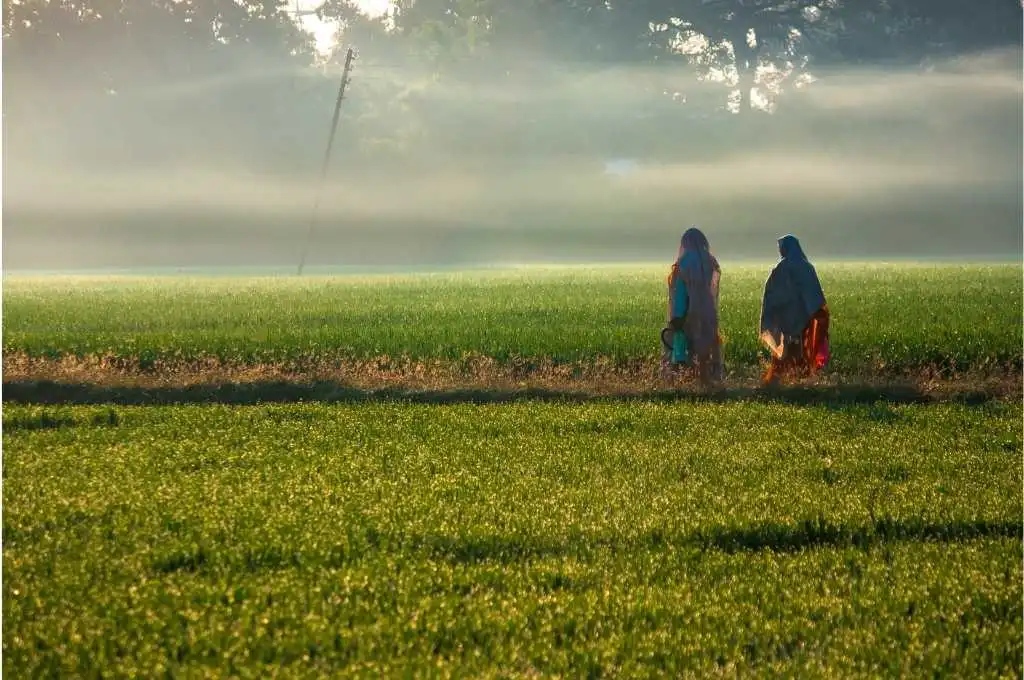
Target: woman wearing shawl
<point>794,316</point>
<point>693,307</point>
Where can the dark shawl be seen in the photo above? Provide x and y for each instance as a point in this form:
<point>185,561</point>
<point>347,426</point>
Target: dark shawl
<point>792,294</point>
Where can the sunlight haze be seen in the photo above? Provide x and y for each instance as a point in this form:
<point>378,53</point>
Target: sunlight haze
<point>458,148</point>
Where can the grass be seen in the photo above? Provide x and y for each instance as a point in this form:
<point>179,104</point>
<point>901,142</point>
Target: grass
<point>634,539</point>
<point>885,317</point>
<point>490,477</point>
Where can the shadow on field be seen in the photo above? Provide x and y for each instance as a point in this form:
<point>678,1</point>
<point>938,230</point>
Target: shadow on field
<point>776,537</point>
<point>56,421</point>
<point>504,549</point>
<point>52,392</point>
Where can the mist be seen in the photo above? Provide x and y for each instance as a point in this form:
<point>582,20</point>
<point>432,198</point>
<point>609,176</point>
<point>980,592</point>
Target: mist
<point>561,161</point>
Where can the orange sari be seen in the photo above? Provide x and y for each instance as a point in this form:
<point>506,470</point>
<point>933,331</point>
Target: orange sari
<point>814,350</point>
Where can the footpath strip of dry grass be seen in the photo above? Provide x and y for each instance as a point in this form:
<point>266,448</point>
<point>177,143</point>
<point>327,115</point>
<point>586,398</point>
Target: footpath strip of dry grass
<point>104,378</point>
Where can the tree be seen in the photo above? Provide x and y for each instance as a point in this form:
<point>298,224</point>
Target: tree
<point>730,37</point>
<point>133,81</point>
<point>738,39</point>
<point>911,31</point>
<point>753,45</point>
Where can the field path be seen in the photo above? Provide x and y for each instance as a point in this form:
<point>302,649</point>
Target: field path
<point>70,380</point>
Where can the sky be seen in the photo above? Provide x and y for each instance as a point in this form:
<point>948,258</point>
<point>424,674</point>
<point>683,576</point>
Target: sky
<point>324,32</point>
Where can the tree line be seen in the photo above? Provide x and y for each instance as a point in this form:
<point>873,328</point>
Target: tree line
<point>241,79</point>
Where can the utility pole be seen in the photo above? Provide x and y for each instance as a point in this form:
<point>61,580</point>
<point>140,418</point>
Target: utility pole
<point>349,58</point>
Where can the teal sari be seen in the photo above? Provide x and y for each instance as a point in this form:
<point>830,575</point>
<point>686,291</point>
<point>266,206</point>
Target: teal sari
<point>678,303</point>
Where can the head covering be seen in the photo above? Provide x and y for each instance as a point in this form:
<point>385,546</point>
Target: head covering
<point>789,248</point>
<point>695,264</point>
<point>695,252</point>
<point>694,239</point>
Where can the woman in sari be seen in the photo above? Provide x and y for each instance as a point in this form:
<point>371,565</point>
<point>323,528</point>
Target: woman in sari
<point>693,307</point>
<point>794,316</point>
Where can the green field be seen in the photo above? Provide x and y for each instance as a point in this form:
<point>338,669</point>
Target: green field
<point>884,316</point>
<point>664,535</point>
<point>611,539</point>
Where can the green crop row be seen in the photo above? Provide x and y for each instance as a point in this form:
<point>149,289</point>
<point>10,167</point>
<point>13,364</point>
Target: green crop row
<point>898,316</point>
<point>623,539</point>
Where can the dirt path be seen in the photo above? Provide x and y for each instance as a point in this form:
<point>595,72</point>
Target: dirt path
<point>111,380</point>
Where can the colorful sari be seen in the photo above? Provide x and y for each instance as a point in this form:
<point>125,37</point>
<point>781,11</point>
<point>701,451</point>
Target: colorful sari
<point>674,337</point>
<point>794,316</point>
<point>693,306</point>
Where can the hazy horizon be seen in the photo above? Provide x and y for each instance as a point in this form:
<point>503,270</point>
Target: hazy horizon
<point>286,269</point>
<point>862,163</point>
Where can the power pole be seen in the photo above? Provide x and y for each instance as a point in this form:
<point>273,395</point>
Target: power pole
<point>349,58</point>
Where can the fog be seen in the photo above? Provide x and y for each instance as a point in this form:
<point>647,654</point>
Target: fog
<point>560,162</point>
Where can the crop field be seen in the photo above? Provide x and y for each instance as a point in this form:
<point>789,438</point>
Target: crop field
<point>848,527</point>
<point>895,316</point>
<point>554,539</point>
